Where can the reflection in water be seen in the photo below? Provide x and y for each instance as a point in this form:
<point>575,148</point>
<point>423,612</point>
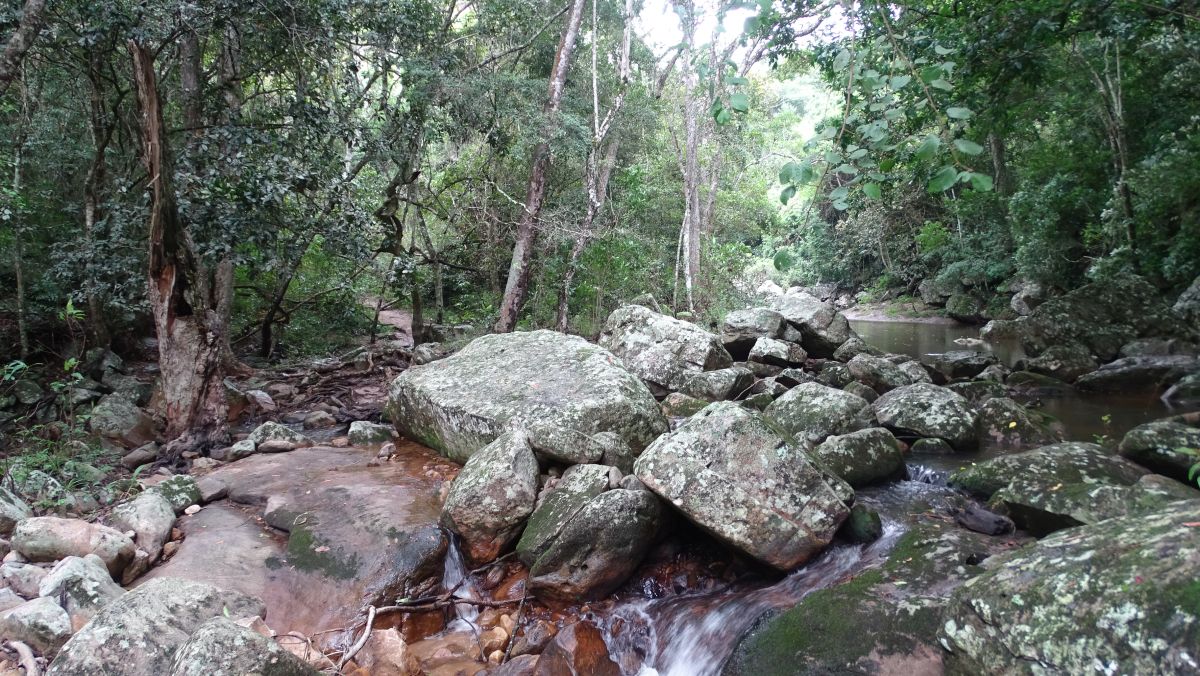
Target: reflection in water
<point>1086,417</point>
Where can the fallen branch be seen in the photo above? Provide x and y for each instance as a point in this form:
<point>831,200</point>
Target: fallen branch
<point>512,638</point>
<point>362,640</point>
<point>437,605</point>
<point>25,655</point>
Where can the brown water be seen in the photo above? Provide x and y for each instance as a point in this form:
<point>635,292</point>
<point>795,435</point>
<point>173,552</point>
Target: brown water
<point>1085,417</point>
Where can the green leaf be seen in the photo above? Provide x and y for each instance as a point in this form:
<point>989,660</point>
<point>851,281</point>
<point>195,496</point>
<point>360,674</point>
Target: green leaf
<point>723,116</point>
<point>928,148</point>
<point>833,157</point>
<point>959,113</point>
<point>787,174</point>
<point>968,147</point>
<point>858,154</point>
<point>873,191</point>
<point>899,81</point>
<point>981,182</point>
<point>739,102</point>
<point>942,85</point>
<point>737,81</point>
<point>847,169</point>
<point>943,180</point>
<point>942,51</point>
<point>783,260</point>
<point>839,194</point>
<point>842,60</point>
<point>887,164</point>
<point>930,73</point>
<point>841,205</point>
<point>787,194</point>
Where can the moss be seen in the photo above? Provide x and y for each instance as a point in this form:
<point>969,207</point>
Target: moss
<point>305,552</point>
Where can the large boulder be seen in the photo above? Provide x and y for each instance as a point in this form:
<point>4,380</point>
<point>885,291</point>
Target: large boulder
<point>1004,423</point>
<point>863,457</point>
<point>962,363</point>
<point>1102,316</point>
<point>736,476</point>
<point>777,353</point>
<point>742,328</point>
<point>877,373</point>
<point>1157,446</point>
<point>1066,362</point>
<point>577,486</point>
<point>559,389</point>
<point>1187,306</point>
<point>118,418</point>
<point>926,410</point>
<point>492,496</point>
<point>141,632</point>
<point>813,412</point>
<point>1068,484</point>
<point>50,538</point>
<point>965,308</point>
<point>663,351</point>
<point>1115,597</point>
<point>1139,373</point>
<point>222,646</point>
<point>883,620</point>
<point>598,547</point>
<point>822,328</point>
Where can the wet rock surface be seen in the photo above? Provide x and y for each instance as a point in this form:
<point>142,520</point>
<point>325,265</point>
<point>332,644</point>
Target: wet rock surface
<point>663,351</point>
<point>926,410</point>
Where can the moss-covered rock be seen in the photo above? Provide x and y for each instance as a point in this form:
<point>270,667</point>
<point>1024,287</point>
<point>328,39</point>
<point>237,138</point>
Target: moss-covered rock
<point>962,363</point>
<point>731,472</point>
<point>1132,374</point>
<point>1121,596</point>
<point>742,328</point>
<point>813,412</point>
<point>883,621</point>
<point>1065,485</point>
<point>822,328</point>
<point>1066,362</point>
<point>1157,446</point>
<point>926,410</point>
<point>877,373</point>
<point>578,485</point>
<point>492,496</point>
<point>1003,423</point>
<point>221,646</point>
<point>719,385</point>
<point>863,457</point>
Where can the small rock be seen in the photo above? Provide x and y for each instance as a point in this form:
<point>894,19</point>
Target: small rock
<point>12,510</point>
<point>150,517</point>
<point>984,521</point>
<point>192,510</point>
<point>142,455</point>
<point>318,420</point>
<point>180,490</point>
<point>863,525</point>
<point>82,586</point>
<point>578,649</point>
<point>211,489</point>
<point>365,433</point>
<point>23,578</point>
<point>202,464</point>
<point>261,401</point>
<point>271,437</point>
<point>386,654</point>
<point>9,599</point>
<point>221,646</point>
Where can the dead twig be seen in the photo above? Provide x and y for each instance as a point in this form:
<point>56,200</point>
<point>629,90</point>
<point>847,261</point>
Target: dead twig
<point>362,640</point>
<point>512,638</point>
<point>25,655</point>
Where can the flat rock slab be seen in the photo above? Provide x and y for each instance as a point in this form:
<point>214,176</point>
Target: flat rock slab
<point>359,534</point>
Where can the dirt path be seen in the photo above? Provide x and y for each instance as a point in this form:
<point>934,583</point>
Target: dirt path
<point>399,319</point>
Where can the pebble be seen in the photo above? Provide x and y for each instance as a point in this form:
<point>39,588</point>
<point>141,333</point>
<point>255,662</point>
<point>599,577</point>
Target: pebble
<point>192,510</point>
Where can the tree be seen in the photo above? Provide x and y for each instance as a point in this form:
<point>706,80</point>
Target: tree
<point>182,291</point>
<point>517,286</point>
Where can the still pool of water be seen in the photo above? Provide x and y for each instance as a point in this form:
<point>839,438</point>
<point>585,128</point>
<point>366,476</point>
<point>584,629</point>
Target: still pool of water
<point>1084,416</point>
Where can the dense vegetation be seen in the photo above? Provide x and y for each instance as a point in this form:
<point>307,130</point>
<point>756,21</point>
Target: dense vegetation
<point>281,170</point>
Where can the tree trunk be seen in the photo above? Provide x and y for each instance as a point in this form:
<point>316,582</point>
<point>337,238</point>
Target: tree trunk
<point>20,42</point>
<point>18,250</point>
<point>180,292</point>
<point>101,130</point>
<point>1003,180</point>
<point>517,286</point>
<point>691,165</point>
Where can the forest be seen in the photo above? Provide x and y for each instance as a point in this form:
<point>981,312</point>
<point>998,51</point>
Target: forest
<point>233,227</point>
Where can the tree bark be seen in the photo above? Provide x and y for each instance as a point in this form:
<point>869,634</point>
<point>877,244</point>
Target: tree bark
<point>690,227</point>
<point>999,153</point>
<point>180,291</point>
<point>102,128</point>
<point>20,42</point>
<point>517,287</point>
